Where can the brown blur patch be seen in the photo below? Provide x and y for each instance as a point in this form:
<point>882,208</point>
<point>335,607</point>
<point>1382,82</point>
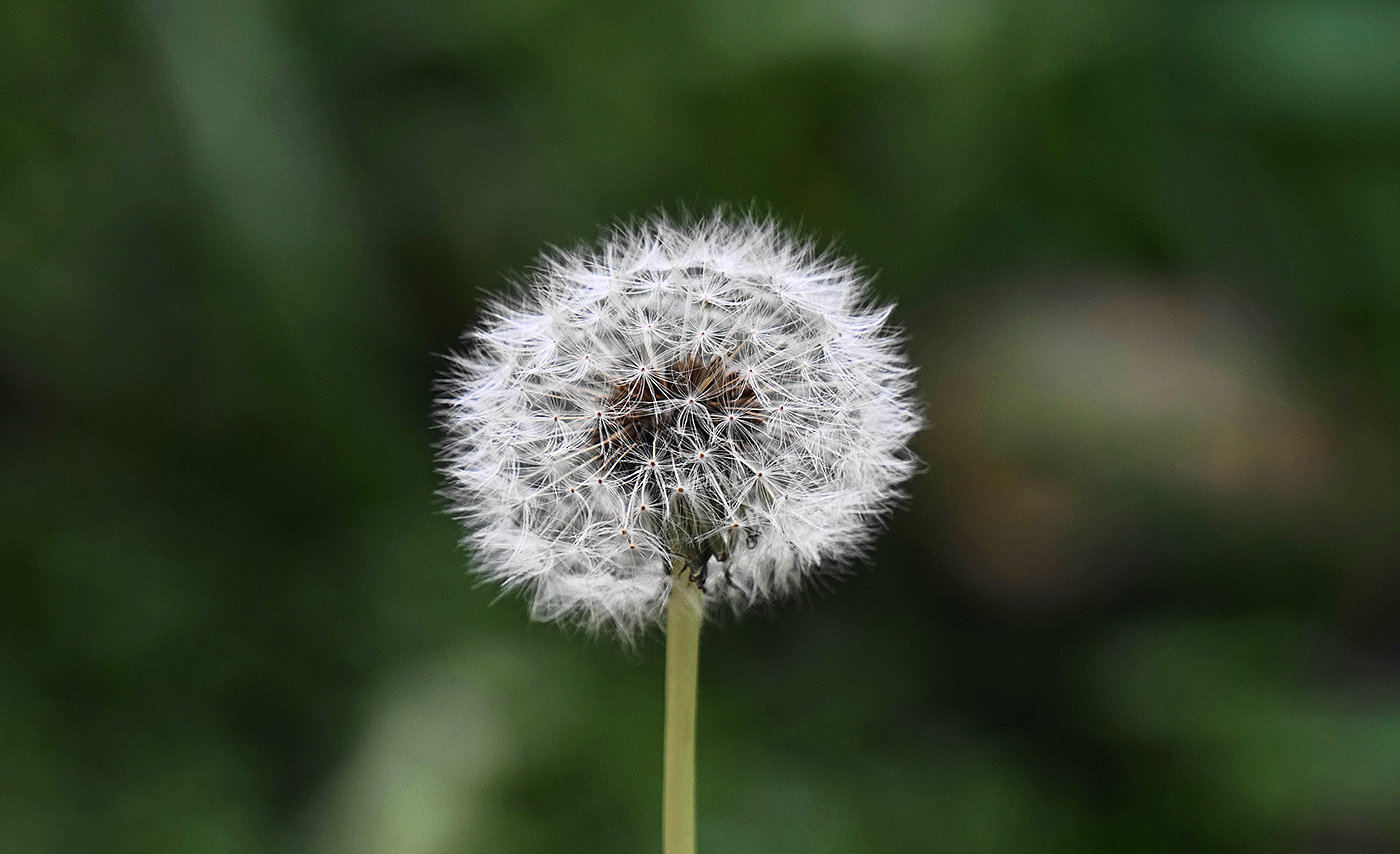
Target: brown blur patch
<point>1059,417</point>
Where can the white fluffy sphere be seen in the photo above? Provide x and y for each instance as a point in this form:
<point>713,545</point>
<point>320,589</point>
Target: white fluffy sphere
<point>717,393</point>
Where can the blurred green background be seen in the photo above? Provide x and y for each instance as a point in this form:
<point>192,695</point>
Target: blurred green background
<point>1143,599</point>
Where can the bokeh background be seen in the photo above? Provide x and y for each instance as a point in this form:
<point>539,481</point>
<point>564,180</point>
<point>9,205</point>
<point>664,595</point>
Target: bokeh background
<point>1144,597</point>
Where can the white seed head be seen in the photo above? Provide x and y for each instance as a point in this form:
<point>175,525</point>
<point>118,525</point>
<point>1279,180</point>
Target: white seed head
<point>716,393</point>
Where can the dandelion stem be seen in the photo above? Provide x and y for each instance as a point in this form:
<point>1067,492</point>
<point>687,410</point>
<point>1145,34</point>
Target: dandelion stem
<point>682,672</point>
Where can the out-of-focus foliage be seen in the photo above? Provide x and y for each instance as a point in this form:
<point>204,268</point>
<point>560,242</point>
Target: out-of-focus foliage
<point>1144,598</point>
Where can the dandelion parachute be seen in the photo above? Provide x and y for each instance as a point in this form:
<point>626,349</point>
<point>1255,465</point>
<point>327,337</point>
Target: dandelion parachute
<point>718,393</point>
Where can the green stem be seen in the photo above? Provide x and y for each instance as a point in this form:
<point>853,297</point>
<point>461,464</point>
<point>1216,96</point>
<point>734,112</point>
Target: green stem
<point>682,672</point>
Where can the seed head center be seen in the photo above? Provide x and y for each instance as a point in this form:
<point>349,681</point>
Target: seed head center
<point>660,411</point>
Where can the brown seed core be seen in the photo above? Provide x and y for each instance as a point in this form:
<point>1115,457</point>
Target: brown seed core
<point>644,413</point>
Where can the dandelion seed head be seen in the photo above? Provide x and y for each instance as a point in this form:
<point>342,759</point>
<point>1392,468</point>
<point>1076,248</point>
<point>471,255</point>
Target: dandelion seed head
<point>718,393</point>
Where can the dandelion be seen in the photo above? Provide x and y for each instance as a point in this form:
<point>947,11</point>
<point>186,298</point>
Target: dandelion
<point>718,395</point>
<point>686,418</point>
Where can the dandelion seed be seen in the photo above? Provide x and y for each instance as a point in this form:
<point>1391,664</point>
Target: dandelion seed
<point>737,379</point>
